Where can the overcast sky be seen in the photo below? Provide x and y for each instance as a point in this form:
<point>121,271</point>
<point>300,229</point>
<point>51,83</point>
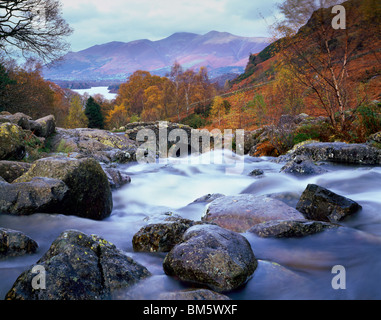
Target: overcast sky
<point>100,21</point>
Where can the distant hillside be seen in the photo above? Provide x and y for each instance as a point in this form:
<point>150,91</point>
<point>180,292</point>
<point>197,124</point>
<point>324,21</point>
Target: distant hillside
<point>220,52</point>
<point>364,59</point>
<point>363,67</point>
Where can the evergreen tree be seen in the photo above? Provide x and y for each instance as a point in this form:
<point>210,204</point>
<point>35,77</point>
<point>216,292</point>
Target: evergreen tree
<point>94,114</point>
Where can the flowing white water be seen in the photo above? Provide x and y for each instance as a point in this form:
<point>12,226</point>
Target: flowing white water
<point>288,268</point>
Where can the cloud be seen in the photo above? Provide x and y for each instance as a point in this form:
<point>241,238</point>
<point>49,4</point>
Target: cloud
<point>99,21</point>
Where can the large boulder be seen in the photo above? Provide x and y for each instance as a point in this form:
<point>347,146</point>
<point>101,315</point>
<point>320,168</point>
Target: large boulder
<point>239,213</point>
<point>20,119</point>
<point>99,144</point>
<point>43,195</point>
<point>15,243</point>
<point>42,127</point>
<point>168,134</point>
<point>210,255</point>
<point>79,267</point>
<point>301,166</point>
<point>289,228</point>
<point>11,170</point>
<point>355,153</point>
<point>48,126</point>
<point>89,194</point>
<point>319,203</point>
<point>12,142</point>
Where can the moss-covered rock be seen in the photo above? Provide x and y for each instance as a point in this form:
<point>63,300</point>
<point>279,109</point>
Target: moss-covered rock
<point>212,256</point>
<point>89,194</point>
<point>321,204</point>
<point>374,140</point>
<point>302,166</point>
<point>79,267</point>
<point>11,170</point>
<point>349,153</point>
<point>46,126</point>
<point>15,243</point>
<point>161,237</point>
<point>40,195</point>
<point>20,119</point>
<point>12,142</point>
<point>99,144</point>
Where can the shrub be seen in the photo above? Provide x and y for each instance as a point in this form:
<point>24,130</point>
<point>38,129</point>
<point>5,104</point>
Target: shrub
<point>195,121</point>
<point>370,118</point>
<point>321,131</point>
<point>63,147</point>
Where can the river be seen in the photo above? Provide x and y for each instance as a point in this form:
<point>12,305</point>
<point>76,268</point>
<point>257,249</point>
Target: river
<point>295,268</point>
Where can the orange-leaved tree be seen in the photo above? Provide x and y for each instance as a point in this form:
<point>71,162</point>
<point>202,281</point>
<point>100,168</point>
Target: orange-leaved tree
<point>319,54</point>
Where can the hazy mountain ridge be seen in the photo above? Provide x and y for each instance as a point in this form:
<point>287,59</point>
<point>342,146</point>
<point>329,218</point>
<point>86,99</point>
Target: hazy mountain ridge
<point>116,60</point>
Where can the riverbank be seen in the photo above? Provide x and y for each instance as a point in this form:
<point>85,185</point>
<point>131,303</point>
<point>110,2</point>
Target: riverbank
<point>287,267</point>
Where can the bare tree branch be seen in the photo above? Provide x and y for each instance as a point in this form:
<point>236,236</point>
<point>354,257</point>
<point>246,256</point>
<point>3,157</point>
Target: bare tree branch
<point>34,27</point>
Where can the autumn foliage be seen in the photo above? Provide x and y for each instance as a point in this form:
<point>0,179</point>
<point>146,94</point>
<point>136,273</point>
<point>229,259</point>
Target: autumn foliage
<point>149,97</point>
<point>25,90</point>
<point>314,68</point>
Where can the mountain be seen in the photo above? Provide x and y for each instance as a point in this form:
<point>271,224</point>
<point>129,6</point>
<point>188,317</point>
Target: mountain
<point>220,52</point>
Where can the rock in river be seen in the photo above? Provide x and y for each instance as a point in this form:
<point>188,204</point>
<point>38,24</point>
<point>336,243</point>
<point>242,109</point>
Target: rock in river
<point>161,237</point>
<point>239,213</point>
<point>116,178</point>
<point>289,228</point>
<point>79,267</point>
<point>43,195</point>
<point>350,153</point>
<point>213,256</point>
<point>319,203</point>
<point>302,166</point>
<point>89,194</point>
<point>15,243</point>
